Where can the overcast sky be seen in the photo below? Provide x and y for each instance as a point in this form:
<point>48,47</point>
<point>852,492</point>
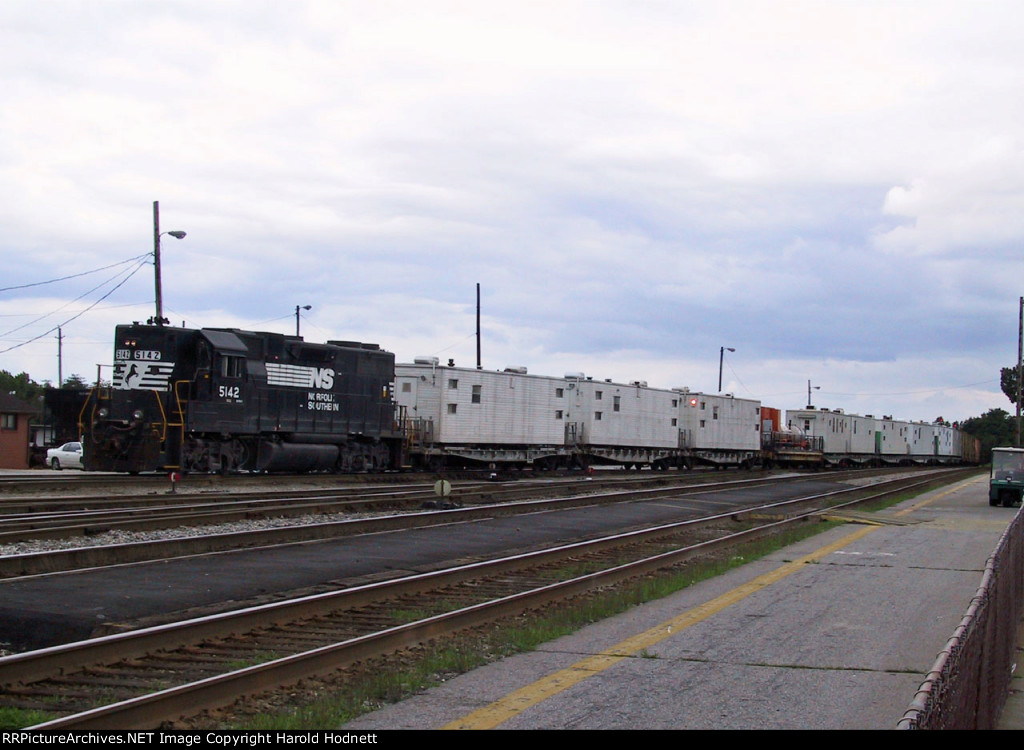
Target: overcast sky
<point>833,189</point>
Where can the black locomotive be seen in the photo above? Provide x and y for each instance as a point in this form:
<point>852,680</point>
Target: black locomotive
<point>223,399</point>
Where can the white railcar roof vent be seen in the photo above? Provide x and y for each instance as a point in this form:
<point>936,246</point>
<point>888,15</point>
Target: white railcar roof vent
<point>641,383</point>
<point>517,370</point>
<point>575,376</point>
<point>682,389</point>
<point>425,361</point>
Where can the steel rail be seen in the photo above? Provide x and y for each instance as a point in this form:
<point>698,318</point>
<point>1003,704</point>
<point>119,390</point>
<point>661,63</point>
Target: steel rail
<point>218,691</point>
<point>76,558</point>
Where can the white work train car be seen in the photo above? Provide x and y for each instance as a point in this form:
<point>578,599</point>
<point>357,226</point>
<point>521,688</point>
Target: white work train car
<point>721,426</point>
<point>634,423</point>
<point>844,437</point>
<point>895,443</point>
<point>480,415</point>
<point>849,438</point>
<point>458,414</point>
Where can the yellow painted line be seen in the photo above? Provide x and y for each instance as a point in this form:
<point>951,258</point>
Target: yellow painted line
<point>518,701</point>
<point>929,501</point>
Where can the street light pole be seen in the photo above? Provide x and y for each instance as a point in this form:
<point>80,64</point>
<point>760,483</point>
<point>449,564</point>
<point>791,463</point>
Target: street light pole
<point>721,361</point>
<point>817,388</point>
<point>177,234</point>
<point>297,308</point>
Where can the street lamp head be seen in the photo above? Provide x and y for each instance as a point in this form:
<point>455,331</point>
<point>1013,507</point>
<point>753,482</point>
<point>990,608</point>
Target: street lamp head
<point>307,307</point>
<point>176,234</point>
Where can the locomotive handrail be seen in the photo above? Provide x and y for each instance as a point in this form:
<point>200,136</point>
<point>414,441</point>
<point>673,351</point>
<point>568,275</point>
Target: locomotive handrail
<point>178,401</point>
<point>163,414</point>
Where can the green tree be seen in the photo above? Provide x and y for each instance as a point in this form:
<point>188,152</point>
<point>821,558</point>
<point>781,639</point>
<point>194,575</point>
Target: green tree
<point>993,428</point>
<point>21,386</point>
<point>1008,382</point>
<point>75,382</point>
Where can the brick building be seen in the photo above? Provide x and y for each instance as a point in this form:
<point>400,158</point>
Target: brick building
<point>14,433</point>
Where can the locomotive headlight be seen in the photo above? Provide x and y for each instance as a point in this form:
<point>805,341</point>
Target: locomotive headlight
<point>103,413</point>
<point>137,414</point>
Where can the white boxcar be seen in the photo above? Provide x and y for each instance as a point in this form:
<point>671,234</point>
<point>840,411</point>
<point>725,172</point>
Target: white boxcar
<point>862,435</point>
<point>845,437</point>
<point>948,442</point>
<point>483,415</point>
<point>832,426</point>
<point>922,442</point>
<point>895,439</point>
<point>615,414</point>
<point>634,423</point>
<point>513,417</point>
<point>720,422</point>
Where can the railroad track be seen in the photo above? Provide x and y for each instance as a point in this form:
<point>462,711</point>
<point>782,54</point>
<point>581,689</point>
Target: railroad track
<point>152,676</point>
<point>474,500</point>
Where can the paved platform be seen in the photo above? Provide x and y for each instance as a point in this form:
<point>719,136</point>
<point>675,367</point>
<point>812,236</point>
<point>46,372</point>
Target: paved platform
<point>836,632</point>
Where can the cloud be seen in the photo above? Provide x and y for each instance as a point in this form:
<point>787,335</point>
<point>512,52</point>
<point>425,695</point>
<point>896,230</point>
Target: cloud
<point>826,187</point>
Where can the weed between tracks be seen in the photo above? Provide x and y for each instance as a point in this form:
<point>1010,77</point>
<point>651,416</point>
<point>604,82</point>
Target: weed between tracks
<point>331,702</point>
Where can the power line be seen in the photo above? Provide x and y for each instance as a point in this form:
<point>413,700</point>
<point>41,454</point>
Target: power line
<point>75,276</point>
<point>79,297</point>
<point>78,315</point>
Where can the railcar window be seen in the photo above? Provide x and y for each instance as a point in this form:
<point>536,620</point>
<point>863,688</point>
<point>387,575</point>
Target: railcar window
<point>452,408</point>
<point>598,395</point>
<point>406,387</point>
<point>615,404</point>
<point>597,416</point>
<point>453,384</point>
<point>559,392</point>
<point>476,393</point>
<point>558,414</point>
<point>232,367</point>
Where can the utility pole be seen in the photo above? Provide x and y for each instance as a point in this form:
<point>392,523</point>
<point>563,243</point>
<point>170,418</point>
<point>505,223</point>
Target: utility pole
<point>156,264</point>
<point>721,361</point>
<point>478,364</point>
<point>177,234</point>
<point>60,359</point>
<point>1020,360</point>
<point>297,308</point>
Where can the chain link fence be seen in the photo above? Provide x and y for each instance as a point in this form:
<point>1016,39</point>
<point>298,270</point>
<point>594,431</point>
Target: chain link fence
<point>969,682</point>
